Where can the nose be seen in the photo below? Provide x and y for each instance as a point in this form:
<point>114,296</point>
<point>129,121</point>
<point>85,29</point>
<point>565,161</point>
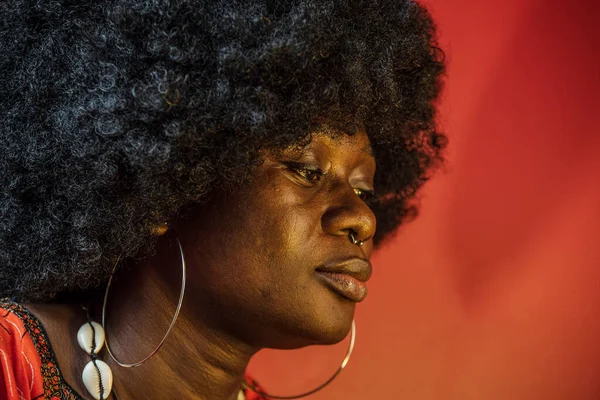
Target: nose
<point>349,216</point>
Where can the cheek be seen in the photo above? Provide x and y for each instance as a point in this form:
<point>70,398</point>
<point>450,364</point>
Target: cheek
<point>257,242</point>
<point>284,216</point>
<point>257,245</point>
<point>279,265</point>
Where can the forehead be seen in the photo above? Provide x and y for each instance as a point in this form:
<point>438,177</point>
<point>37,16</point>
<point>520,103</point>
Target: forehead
<point>335,140</point>
<point>357,142</point>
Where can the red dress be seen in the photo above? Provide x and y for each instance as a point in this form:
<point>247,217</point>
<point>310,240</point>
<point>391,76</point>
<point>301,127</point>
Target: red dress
<point>28,368</point>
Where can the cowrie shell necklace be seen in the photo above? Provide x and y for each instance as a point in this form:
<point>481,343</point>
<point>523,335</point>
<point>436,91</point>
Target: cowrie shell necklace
<point>97,376</point>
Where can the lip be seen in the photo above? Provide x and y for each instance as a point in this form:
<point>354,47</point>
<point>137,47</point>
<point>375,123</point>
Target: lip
<point>347,277</point>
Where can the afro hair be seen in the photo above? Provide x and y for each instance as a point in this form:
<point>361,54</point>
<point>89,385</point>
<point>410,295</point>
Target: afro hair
<point>116,115</point>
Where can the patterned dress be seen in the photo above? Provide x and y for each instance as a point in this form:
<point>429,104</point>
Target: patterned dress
<point>28,367</point>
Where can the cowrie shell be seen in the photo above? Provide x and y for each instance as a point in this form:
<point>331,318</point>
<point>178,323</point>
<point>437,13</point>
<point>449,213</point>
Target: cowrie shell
<point>98,379</point>
<point>86,336</point>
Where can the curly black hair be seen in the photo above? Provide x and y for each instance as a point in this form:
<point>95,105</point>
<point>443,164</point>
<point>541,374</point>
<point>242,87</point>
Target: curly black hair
<point>116,115</point>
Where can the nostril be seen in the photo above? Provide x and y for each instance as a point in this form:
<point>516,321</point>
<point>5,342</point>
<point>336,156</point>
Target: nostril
<point>352,236</point>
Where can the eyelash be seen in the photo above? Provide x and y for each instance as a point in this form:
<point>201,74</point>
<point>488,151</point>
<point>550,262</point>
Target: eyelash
<point>304,170</point>
<point>364,194</point>
<point>309,173</point>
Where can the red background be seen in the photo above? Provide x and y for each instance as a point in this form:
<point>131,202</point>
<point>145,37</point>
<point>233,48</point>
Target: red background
<point>494,291</point>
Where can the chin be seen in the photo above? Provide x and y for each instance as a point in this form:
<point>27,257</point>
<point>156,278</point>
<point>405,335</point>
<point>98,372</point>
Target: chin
<point>326,324</point>
<point>311,336</point>
<point>333,327</point>
<point>335,336</point>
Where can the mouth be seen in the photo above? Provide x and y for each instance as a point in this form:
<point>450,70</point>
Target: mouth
<point>348,278</point>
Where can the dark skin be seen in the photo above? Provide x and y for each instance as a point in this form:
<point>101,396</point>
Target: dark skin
<point>251,261</point>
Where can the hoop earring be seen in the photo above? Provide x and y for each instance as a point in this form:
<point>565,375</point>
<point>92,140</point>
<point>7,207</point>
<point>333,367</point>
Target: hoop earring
<point>181,293</point>
<point>247,385</point>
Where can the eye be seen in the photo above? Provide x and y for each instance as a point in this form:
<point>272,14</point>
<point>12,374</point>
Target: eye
<point>364,194</point>
<point>308,173</point>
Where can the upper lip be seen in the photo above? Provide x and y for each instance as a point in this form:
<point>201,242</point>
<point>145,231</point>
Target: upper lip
<point>356,267</point>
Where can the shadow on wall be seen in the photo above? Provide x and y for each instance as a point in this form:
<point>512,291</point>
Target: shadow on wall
<point>532,142</point>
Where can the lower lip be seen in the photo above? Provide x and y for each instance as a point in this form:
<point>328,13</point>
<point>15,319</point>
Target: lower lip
<point>345,285</point>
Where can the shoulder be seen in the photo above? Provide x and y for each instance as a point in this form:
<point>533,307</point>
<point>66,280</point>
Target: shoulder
<point>20,363</point>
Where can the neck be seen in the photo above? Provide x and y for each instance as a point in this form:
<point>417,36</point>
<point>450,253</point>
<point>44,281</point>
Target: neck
<point>197,360</point>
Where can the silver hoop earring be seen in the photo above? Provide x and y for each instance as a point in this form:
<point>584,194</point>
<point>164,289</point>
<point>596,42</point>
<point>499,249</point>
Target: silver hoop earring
<point>181,293</point>
<point>247,385</point>
<point>354,240</point>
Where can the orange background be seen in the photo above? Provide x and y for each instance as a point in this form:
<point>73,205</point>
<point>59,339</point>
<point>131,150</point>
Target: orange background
<point>494,291</point>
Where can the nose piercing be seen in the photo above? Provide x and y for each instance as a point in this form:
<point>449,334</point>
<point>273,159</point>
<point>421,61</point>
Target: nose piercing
<point>354,240</point>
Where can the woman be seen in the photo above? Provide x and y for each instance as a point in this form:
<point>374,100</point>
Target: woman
<point>226,150</point>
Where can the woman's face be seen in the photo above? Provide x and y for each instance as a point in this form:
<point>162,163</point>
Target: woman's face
<point>258,258</point>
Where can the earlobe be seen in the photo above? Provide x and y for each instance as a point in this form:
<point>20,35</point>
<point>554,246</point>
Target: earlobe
<point>159,230</point>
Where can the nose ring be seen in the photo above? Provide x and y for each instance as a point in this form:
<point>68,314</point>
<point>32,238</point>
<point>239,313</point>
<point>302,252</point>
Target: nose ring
<point>354,240</point>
